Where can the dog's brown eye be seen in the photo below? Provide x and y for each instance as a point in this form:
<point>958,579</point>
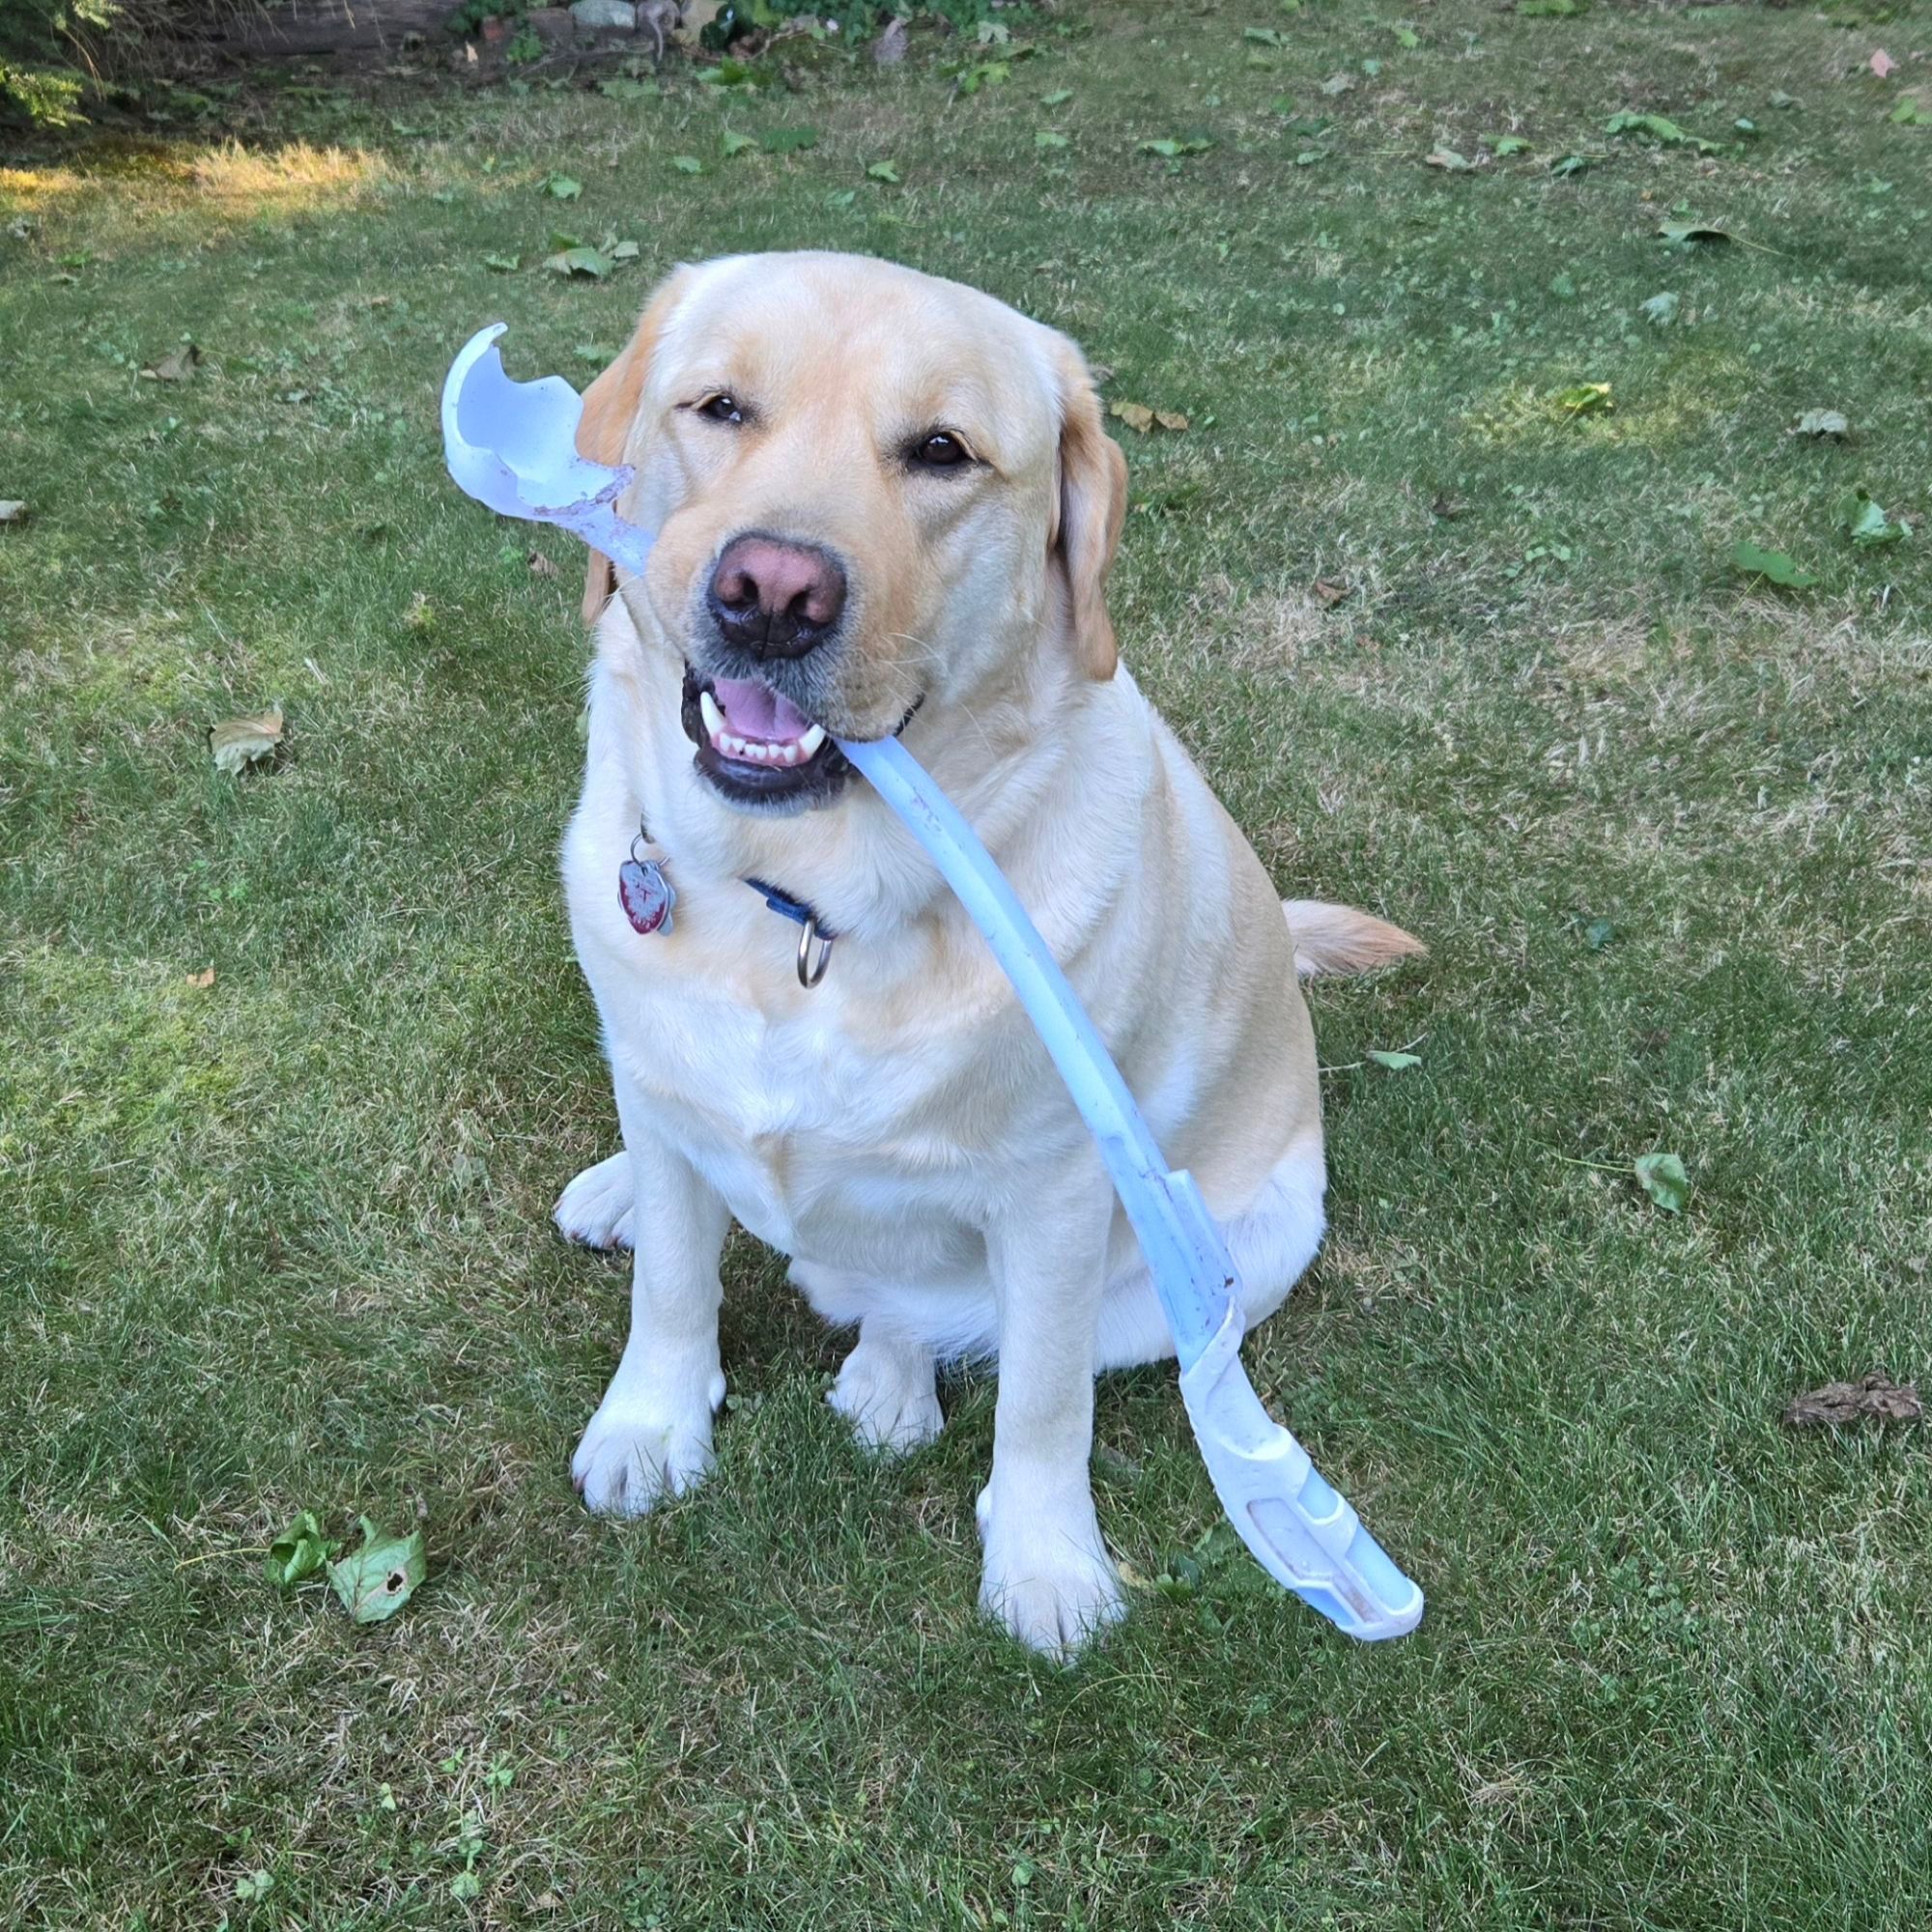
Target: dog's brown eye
<point>939,451</point>
<point>722,410</point>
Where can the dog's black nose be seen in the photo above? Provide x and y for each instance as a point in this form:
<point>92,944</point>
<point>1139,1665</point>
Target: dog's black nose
<point>774,599</point>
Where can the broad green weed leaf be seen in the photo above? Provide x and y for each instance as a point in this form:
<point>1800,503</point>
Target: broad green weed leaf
<point>377,1580</point>
<point>1659,130</point>
<point>1773,565</point>
<point>562,188</point>
<point>687,164</point>
<point>1508,144</point>
<point>883,171</point>
<point>1059,98</point>
<point>788,140</point>
<point>1662,1177</point>
<point>1659,310</point>
<point>1395,1062</point>
<point>1584,398</point>
<point>299,1551</point>
<point>1447,159</point>
<point>1048,138</point>
<point>1865,523</point>
<point>734,143</point>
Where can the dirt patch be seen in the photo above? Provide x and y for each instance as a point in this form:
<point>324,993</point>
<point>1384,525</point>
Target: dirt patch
<point>1875,1396</point>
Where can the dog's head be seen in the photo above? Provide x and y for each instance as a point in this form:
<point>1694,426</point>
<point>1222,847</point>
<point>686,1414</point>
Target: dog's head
<point>874,491</point>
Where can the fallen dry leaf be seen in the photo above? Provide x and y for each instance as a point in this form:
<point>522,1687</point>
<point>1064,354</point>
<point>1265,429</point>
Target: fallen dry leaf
<point>1171,419</point>
<point>11,512</point>
<point>178,365</point>
<point>1330,591</point>
<point>205,977</point>
<point>1876,1396</point>
<point>541,565</point>
<point>239,742</point>
<point>1882,63</point>
<point>1136,415</point>
<point>1821,422</point>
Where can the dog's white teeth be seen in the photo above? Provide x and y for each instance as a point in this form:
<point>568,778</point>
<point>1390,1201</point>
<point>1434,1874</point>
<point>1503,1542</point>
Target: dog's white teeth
<point>714,719</point>
<point>737,747</point>
<point>809,740</point>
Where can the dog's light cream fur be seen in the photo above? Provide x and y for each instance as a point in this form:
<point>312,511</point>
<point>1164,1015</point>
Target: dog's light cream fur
<point>899,1133</point>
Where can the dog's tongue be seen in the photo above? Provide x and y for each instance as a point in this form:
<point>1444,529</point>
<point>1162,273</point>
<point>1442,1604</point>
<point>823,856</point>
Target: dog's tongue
<point>754,710</point>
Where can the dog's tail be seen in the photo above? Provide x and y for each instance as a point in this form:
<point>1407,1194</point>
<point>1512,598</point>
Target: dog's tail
<point>1339,939</point>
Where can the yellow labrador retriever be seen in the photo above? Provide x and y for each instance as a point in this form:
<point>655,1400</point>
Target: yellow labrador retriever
<point>886,503</point>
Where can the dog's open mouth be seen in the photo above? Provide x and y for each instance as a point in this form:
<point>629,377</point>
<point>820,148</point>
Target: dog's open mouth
<point>755,745</point>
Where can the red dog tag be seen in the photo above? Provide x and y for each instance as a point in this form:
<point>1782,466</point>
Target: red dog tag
<point>645,894</point>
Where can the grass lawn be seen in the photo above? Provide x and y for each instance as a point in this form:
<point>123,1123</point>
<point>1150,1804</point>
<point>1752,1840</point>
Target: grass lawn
<point>279,1241</point>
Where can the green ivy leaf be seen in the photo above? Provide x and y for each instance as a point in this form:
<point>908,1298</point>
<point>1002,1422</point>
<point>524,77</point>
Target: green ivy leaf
<point>1662,1177</point>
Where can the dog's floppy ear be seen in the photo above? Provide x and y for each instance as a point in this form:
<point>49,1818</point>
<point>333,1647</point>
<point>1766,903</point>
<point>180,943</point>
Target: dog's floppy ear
<point>610,409</point>
<point>1092,503</point>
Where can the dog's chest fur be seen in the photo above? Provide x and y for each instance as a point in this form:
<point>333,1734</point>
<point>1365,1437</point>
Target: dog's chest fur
<point>829,1120</point>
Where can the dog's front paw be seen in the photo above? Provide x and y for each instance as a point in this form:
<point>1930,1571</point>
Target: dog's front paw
<point>595,1209</point>
<point>635,1452</point>
<point>1048,1578</point>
